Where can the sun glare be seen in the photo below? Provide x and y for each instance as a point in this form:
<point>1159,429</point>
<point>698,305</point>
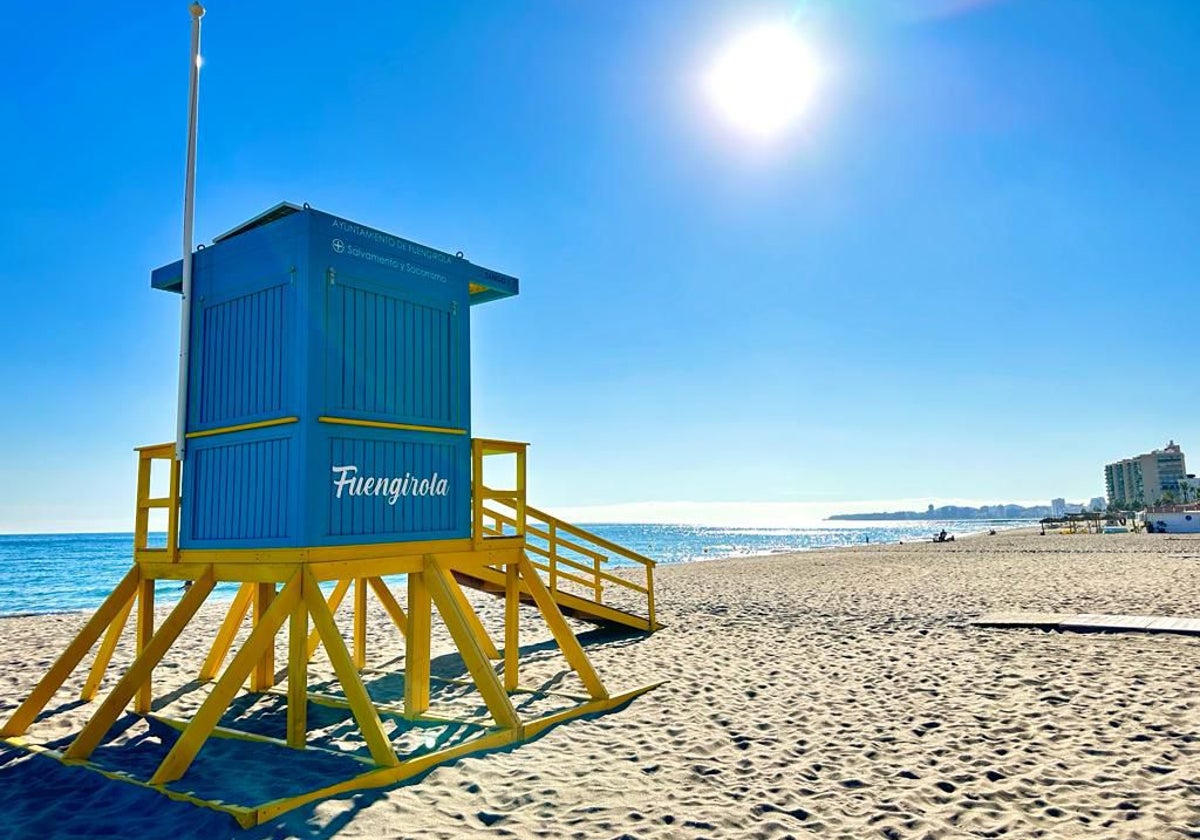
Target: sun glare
<point>764,80</point>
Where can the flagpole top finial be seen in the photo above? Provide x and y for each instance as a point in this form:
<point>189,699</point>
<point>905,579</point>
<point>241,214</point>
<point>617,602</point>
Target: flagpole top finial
<point>197,10</point>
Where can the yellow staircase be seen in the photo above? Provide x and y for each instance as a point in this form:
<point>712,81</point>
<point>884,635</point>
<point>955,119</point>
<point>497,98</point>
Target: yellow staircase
<point>590,578</point>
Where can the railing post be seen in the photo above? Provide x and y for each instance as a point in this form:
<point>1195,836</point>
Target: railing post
<point>553,558</point>
<point>650,595</point>
<point>141,518</point>
<point>520,517</point>
<point>477,493</point>
<point>598,586</point>
<point>173,513</point>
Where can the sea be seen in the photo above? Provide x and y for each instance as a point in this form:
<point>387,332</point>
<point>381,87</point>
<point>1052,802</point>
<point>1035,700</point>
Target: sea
<point>66,572</point>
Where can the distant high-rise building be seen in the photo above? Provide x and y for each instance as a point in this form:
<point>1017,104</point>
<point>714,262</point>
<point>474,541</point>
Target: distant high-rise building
<point>1097,503</point>
<point>1146,479</point>
<point>1058,507</point>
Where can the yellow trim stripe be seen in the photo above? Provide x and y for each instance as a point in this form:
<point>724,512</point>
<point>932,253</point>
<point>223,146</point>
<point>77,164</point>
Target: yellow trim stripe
<point>262,424</point>
<point>379,424</point>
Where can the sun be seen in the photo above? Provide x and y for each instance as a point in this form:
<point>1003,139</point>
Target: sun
<point>764,80</point>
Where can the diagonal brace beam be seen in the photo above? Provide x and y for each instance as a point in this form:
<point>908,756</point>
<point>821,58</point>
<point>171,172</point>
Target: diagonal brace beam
<point>470,646</point>
<point>335,601</point>
<point>69,660</point>
<point>139,672</point>
<point>389,602</point>
<point>364,711</point>
<point>567,642</point>
<point>225,636</point>
<point>107,647</point>
<point>209,714</point>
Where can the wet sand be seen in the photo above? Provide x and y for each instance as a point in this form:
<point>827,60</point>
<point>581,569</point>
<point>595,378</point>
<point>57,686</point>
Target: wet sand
<point>828,694</point>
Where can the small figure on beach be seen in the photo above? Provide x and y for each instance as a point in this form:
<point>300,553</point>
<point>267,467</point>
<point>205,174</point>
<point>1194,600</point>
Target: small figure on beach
<point>942,537</point>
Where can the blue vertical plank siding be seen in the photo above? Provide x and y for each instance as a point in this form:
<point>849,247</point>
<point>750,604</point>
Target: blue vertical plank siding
<point>241,490</point>
<point>301,319</point>
<point>371,337</point>
<point>385,485</point>
<point>241,369</point>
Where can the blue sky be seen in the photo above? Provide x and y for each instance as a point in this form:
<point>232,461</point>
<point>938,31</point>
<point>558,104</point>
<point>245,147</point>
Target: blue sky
<point>961,276</point>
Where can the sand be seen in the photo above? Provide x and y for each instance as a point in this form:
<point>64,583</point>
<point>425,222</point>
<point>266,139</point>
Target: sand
<point>822,694</point>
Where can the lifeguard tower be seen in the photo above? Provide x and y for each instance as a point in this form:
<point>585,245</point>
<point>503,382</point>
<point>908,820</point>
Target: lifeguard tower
<point>329,449</point>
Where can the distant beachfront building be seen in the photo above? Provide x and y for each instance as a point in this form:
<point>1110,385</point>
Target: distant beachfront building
<point>1146,479</point>
<point>1097,503</point>
<point>1058,507</point>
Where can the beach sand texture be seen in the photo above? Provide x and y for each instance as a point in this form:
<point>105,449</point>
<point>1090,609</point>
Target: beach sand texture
<point>832,694</point>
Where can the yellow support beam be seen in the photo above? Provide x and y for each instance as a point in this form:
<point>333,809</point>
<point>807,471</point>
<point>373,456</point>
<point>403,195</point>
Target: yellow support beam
<point>138,675</point>
<point>70,658</point>
<point>567,642</point>
<point>104,655</point>
<point>244,661</point>
<point>227,632</point>
<point>263,676</point>
<point>297,678</point>
<point>388,600</point>
<point>489,647</point>
<point>360,623</point>
<point>352,686</point>
<point>335,601</point>
<point>467,637</point>
<point>416,647</point>
<point>512,626</point>
<point>145,630</point>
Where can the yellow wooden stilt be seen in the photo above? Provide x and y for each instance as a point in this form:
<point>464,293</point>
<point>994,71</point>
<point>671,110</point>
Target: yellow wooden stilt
<point>388,600</point>
<point>360,623</point>
<point>489,647</point>
<point>416,647</point>
<point>335,600</point>
<point>227,632</point>
<point>512,626</point>
<point>297,697</point>
<point>104,655</point>
<point>567,642</point>
<point>263,675</point>
<point>244,661</point>
<point>70,658</point>
<point>356,693</point>
<point>137,677</point>
<point>467,637</point>
<point>145,630</point>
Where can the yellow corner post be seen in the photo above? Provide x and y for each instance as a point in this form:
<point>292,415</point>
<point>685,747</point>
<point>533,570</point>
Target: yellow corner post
<point>145,630</point>
<point>263,675</point>
<point>297,678</point>
<point>416,647</point>
<point>512,626</point>
<point>360,623</point>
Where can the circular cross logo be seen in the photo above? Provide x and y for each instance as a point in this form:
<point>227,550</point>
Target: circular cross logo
<point>339,246</point>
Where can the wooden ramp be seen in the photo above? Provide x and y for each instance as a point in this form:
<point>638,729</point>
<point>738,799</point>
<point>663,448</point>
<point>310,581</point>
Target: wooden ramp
<point>1092,622</point>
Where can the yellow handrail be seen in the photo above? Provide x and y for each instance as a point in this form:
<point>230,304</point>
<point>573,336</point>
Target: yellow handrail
<point>147,455</point>
<point>577,558</point>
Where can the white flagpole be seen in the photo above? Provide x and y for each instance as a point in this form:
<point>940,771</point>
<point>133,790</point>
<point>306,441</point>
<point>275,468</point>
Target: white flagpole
<point>189,190</point>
